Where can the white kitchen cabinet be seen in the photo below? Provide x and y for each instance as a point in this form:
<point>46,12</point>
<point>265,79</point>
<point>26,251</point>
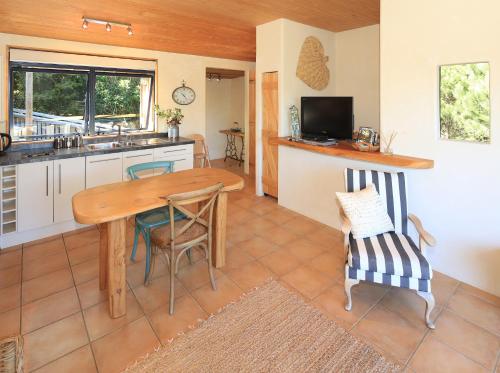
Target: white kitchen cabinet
<point>69,179</point>
<point>136,157</point>
<point>35,195</point>
<point>181,155</point>
<point>104,169</point>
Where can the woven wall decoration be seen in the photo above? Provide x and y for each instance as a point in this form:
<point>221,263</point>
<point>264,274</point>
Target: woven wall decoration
<point>311,68</point>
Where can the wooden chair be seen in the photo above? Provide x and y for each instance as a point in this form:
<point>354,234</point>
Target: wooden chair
<point>390,258</point>
<point>201,155</point>
<point>180,236</point>
<point>148,220</point>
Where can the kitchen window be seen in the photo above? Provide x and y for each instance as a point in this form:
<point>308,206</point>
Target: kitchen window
<point>49,100</point>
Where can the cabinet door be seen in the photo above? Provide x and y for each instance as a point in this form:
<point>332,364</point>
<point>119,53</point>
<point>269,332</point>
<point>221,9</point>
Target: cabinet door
<point>136,157</point>
<point>104,169</point>
<point>36,195</point>
<point>69,179</point>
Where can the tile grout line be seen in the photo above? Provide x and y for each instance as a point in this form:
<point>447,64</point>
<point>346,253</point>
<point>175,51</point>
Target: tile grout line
<point>80,303</point>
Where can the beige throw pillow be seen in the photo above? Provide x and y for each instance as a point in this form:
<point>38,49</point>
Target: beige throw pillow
<point>366,211</point>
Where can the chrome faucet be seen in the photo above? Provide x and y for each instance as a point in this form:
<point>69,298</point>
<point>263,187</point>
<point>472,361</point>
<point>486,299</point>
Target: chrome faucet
<point>119,131</point>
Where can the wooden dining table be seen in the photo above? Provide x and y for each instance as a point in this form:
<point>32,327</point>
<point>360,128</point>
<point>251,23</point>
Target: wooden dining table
<point>110,205</point>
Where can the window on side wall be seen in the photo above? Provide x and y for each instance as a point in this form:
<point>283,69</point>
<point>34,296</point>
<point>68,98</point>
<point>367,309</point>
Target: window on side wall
<point>464,97</point>
<point>47,101</point>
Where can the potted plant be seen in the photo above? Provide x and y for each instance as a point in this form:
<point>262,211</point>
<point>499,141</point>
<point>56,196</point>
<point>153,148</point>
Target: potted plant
<point>173,117</point>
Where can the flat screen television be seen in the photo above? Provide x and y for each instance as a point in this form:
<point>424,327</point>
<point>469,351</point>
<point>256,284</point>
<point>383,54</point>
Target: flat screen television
<point>327,118</point>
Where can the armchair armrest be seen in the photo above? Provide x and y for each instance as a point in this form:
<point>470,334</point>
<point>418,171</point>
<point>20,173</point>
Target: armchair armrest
<point>424,235</point>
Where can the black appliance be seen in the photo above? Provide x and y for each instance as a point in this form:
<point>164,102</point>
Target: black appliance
<point>324,118</point>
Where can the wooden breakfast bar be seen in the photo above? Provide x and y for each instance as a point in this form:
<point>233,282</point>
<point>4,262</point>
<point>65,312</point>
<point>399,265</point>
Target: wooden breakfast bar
<point>110,205</point>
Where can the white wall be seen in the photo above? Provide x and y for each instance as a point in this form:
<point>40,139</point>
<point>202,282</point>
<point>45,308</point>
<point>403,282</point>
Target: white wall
<point>353,63</point>
<point>218,115</point>
<point>357,72</point>
<point>172,69</point>
<point>458,200</point>
<point>278,49</point>
<point>293,88</point>
<point>225,105</point>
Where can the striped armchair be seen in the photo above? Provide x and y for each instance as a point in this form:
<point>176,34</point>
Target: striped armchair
<point>391,258</point>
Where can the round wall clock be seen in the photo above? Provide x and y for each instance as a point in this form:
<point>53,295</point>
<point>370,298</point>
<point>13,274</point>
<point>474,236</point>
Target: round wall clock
<point>183,95</point>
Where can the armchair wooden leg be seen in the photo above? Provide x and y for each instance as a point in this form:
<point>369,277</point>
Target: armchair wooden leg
<point>349,283</point>
<point>429,306</point>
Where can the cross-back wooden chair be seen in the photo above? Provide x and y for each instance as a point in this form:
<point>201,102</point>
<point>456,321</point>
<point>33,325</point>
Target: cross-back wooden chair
<point>201,155</point>
<point>182,235</point>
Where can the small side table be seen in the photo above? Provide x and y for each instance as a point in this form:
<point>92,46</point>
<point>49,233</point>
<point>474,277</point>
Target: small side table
<point>231,148</point>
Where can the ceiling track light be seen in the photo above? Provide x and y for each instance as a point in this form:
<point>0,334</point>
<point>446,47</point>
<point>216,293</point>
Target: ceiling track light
<point>214,76</point>
<point>107,24</point>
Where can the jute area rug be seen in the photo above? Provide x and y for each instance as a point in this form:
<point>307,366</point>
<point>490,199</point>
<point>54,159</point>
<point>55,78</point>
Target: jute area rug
<point>269,330</point>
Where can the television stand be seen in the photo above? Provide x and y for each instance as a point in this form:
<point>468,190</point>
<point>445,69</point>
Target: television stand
<point>318,142</point>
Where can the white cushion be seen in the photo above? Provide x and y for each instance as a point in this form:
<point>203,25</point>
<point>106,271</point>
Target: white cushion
<point>366,211</point>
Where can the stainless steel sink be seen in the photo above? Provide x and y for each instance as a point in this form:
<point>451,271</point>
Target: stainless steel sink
<point>111,145</point>
<point>104,145</point>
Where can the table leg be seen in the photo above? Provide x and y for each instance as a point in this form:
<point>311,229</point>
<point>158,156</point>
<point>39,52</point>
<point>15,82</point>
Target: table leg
<point>103,256</point>
<point>117,288</point>
<point>219,237</point>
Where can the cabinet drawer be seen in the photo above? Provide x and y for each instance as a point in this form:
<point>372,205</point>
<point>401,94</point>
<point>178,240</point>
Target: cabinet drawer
<point>181,162</point>
<point>168,152</point>
<point>137,157</point>
<point>104,169</point>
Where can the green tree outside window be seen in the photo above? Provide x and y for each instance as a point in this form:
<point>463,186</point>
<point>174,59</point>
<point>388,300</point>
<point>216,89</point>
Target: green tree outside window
<point>465,102</point>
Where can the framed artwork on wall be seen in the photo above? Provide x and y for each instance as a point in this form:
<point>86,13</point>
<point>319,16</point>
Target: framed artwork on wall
<point>464,102</point>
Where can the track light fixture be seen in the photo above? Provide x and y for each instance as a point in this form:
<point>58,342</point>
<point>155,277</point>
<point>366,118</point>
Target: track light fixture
<point>214,76</point>
<point>108,24</point>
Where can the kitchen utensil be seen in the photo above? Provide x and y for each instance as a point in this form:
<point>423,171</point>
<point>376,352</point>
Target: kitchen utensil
<point>58,143</point>
<point>77,141</point>
<point>5,142</point>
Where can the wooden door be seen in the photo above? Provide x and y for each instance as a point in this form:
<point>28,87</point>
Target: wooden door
<point>270,122</point>
<point>251,123</point>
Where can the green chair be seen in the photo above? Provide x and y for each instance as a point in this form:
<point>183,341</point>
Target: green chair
<point>148,220</point>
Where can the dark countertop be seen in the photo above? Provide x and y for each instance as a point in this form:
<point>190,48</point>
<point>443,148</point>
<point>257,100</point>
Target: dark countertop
<point>47,153</point>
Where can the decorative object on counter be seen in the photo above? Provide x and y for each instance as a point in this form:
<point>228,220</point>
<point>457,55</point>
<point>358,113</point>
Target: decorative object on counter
<point>366,140</point>
<point>183,95</point>
<point>294,122</point>
<point>311,68</point>
<point>366,134</point>
<point>387,141</point>
<point>173,117</point>
<point>5,142</point>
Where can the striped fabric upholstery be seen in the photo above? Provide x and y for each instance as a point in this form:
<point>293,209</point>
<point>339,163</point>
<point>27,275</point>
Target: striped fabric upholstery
<point>389,254</point>
<point>386,279</point>
<point>392,188</point>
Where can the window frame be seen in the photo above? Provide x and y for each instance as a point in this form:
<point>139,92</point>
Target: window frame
<point>89,109</point>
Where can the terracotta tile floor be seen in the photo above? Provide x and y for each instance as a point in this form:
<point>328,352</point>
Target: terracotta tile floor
<point>49,293</point>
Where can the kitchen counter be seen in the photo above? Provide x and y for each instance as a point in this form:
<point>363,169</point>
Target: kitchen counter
<point>48,153</point>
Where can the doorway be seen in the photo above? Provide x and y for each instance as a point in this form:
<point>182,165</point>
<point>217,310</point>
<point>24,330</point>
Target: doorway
<point>225,117</point>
